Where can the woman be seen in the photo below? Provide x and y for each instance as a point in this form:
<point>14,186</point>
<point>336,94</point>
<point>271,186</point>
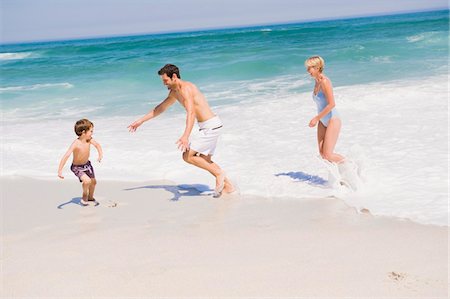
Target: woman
<point>328,123</point>
<point>327,120</point>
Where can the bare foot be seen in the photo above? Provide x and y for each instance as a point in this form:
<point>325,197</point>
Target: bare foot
<point>229,188</point>
<point>92,200</point>
<point>220,184</point>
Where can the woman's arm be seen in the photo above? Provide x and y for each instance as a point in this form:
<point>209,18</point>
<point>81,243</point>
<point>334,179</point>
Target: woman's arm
<point>327,89</point>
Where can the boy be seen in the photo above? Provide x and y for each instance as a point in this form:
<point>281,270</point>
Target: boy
<point>81,166</point>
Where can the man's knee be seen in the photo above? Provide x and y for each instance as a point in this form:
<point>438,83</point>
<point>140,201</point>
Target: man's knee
<point>187,158</point>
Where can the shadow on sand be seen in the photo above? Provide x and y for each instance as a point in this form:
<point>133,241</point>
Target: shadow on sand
<point>179,191</point>
<point>75,200</point>
<point>304,177</point>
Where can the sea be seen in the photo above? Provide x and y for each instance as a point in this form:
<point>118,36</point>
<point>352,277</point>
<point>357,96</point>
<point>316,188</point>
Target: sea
<point>391,86</point>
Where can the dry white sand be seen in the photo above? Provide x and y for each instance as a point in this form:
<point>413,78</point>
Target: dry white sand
<point>154,239</point>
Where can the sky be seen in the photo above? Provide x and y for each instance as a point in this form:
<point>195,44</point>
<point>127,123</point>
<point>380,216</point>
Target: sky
<point>39,20</point>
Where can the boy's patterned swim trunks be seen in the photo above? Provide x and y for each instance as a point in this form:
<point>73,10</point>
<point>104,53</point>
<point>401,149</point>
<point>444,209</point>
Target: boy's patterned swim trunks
<point>79,170</point>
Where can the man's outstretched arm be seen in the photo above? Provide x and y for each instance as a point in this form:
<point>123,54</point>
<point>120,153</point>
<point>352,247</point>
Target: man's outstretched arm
<point>153,113</point>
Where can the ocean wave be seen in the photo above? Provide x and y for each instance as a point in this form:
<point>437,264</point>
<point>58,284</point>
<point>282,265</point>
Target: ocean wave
<point>35,86</point>
<point>431,37</point>
<point>48,111</point>
<point>381,59</point>
<point>15,56</point>
<point>248,89</point>
<point>415,38</point>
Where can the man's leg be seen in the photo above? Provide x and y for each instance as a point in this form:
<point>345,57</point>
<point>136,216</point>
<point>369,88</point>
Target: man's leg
<point>228,187</point>
<point>201,162</point>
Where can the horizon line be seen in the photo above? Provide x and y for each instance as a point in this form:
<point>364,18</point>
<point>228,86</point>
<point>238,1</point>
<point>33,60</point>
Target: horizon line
<point>206,29</point>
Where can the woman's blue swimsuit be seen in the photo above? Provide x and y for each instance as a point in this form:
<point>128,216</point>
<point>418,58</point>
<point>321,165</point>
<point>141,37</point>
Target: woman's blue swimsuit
<point>321,103</point>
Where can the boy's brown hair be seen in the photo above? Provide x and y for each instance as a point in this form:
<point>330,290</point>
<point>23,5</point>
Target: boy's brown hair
<point>82,126</point>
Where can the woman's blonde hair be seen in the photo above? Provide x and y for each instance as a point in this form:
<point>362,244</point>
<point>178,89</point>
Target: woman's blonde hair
<point>316,62</point>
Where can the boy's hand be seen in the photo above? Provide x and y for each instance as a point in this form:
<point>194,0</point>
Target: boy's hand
<point>100,159</point>
<point>60,175</point>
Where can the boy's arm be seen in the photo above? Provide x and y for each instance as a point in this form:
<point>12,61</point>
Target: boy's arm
<point>154,112</point>
<point>64,159</point>
<point>99,149</point>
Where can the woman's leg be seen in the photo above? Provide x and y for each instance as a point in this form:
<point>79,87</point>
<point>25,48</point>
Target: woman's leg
<point>321,130</point>
<point>330,139</point>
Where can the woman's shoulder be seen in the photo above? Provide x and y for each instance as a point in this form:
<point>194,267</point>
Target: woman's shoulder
<point>325,81</point>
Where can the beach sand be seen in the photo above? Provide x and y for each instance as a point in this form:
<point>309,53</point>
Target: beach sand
<point>157,239</point>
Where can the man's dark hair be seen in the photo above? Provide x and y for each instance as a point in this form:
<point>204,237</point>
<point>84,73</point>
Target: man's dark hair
<point>169,70</point>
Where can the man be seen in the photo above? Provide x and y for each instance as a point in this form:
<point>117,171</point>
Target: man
<point>201,149</point>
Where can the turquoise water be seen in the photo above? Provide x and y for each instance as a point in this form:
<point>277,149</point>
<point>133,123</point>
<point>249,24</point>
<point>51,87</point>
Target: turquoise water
<point>118,76</point>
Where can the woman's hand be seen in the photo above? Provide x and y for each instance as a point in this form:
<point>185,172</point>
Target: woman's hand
<point>313,122</point>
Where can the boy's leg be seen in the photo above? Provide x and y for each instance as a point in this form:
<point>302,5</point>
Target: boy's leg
<point>85,184</point>
<point>92,189</point>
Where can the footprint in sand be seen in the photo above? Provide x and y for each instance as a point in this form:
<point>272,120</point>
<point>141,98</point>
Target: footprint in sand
<point>395,276</point>
<point>112,204</point>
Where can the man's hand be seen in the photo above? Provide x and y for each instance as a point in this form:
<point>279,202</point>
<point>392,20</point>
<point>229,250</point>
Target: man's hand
<point>60,175</point>
<point>100,158</point>
<point>133,127</point>
<point>183,144</point>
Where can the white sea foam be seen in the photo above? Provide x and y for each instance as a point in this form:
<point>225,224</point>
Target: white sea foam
<point>431,37</point>
<point>381,59</point>
<point>245,92</point>
<point>36,86</point>
<point>396,131</point>
<point>46,111</point>
<point>15,56</point>
<point>415,38</point>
